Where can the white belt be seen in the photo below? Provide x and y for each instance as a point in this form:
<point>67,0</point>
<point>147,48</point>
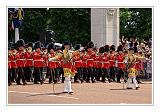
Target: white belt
<point>120,62</point>
<point>89,59</point>
<point>21,59</point>
<point>54,61</point>
<point>38,60</point>
<point>30,59</point>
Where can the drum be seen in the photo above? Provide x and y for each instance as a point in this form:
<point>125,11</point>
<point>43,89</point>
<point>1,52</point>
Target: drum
<point>132,72</point>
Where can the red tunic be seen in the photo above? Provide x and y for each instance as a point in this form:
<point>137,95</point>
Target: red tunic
<point>120,59</point>
<point>20,59</point>
<point>84,61</point>
<point>139,65</point>
<point>90,58</point>
<point>29,59</point>
<point>112,60</point>
<point>9,62</point>
<point>99,61</point>
<point>95,62</point>
<point>38,60</point>
<point>13,61</point>
<point>77,59</point>
<point>53,64</point>
<point>106,63</point>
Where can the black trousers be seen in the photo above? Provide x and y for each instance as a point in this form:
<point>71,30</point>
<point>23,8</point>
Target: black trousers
<point>9,76</point>
<point>61,73</point>
<point>106,74</point>
<point>20,75</point>
<point>112,73</point>
<point>84,72</point>
<point>53,75</point>
<point>37,74</point>
<point>79,75</point>
<point>120,74</point>
<point>14,74</point>
<point>90,74</point>
<point>28,73</point>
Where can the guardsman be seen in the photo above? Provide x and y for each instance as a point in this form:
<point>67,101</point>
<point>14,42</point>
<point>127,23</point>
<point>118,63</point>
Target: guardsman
<point>84,64</point>
<point>106,64</point>
<point>13,59</point>
<point>9,66</point>
<point>120,61</point>
<point>29,62</point>
<point>78,63</point>
<point>100,65</point>
<point>90,58</point>
<point>112,62</point>
<point>20,56</point>
<point>53,65</point>
<point>38,63</point>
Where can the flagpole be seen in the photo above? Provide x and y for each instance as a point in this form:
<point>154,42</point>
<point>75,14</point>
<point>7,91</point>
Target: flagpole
<point>16,34</point>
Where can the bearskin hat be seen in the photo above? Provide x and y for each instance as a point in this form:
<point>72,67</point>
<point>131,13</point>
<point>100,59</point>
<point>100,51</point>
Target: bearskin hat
<point>90,45</point>
<point>13,46</point>
<point>77,46</point>
<point>112,48</point>
<point>135,50</point>
<point>120,48</point>
<point>38,44</point>
<point>66,43</point>
<point>101,50</point>
<point>106,48</point>
<point>30,44</point>
<point>51,46</point>
<point>10,45</point>
<point>20,43</point>
<point>130,49</point>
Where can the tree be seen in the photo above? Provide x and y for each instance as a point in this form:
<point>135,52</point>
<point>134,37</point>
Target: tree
<point>136,22</point>
<point>68,23</point>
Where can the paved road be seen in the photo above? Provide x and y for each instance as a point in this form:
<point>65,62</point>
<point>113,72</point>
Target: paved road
<point>86,93</point>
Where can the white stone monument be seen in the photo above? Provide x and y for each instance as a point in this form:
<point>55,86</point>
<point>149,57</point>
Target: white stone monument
<point>105,26</point>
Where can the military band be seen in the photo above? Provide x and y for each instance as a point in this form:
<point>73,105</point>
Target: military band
<point>27,62</point>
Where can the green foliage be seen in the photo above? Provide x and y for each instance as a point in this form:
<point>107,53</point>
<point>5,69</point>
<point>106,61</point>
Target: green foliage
<point>136,22</point>
<point>68,23</point>
<point>74,24</point>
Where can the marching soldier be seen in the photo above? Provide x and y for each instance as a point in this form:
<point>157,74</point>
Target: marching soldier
<point>53,65</point>
<point>20,56</point>
<point>84,64</point>
<point>12,57</point>
<point>90,58</point>
<point>112,62</point>
<point>121,66</point>
<point>38,63</point>
<point>106,64</point>
<point>29,62</point>
<point>9,66</point>
<point>99,59</point>
<point>78,64</point>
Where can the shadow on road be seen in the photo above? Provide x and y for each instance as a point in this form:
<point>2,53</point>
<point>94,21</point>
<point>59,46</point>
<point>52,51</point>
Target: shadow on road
<point>47,94</point>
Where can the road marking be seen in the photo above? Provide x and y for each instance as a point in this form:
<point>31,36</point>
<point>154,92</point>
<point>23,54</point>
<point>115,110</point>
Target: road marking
<point>43,93</point>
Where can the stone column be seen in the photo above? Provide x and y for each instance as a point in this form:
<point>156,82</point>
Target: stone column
<point>105,26</point>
